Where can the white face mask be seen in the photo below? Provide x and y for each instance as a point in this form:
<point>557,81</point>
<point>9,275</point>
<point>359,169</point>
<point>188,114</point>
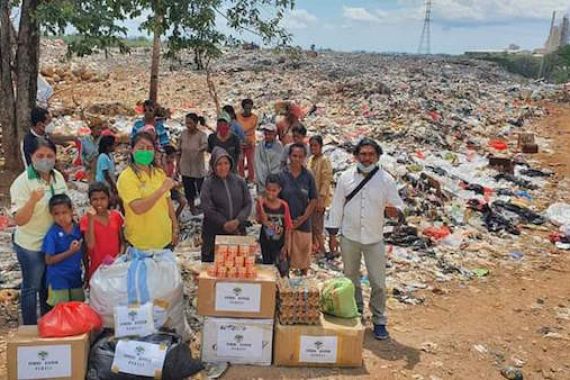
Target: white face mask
<point>366,169</point>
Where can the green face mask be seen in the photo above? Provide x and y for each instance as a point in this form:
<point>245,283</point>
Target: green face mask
<point>143,157</point>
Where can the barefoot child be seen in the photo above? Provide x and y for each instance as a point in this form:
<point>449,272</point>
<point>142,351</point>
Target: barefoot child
<point>101,228</point>
<point>273,213</point>
<point>63,253</point>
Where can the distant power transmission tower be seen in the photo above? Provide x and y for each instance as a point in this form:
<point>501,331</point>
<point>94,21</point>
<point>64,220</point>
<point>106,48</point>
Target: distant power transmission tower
<point>547,46</point>
<point>425,39</point>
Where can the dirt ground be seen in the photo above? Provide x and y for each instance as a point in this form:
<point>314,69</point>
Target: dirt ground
<point>519,315</point>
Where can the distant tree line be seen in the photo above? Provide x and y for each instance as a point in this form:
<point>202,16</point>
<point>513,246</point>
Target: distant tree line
<point>553,67</point>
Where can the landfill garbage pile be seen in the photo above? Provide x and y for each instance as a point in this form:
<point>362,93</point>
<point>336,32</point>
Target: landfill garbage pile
<point>440,120</point>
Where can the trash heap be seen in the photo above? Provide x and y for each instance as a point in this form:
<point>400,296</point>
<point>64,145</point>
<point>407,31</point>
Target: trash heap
<point>450,129</point>
<point>559,215</point>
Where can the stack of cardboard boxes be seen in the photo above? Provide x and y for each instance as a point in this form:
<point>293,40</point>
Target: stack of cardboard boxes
<point>302,340</point>
<point>239,310</point>
<point>240,328</point>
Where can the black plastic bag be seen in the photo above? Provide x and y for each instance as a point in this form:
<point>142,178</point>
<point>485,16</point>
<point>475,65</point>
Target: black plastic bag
<point>494,221</point>
<point>178,363</point>
<point>527,215</point>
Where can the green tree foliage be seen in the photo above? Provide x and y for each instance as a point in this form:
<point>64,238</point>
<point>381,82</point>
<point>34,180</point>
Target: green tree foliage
<point>553,67</point>
<point>99,25</point>
<point>186,24</point>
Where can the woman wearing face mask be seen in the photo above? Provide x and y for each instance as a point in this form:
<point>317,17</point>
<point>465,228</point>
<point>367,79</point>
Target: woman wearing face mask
<point>144,188</point>
<point>225,139</point>
<point>226,202</point>
<point>30,194</point>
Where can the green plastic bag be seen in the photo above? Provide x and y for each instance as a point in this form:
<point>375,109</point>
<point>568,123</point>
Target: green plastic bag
<point>337,298</point>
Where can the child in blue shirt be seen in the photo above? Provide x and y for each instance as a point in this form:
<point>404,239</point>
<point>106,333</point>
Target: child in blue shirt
<point>105,171</point>
<point>63,253</point>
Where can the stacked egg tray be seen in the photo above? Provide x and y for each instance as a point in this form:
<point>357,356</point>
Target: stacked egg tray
<point>298,302</point>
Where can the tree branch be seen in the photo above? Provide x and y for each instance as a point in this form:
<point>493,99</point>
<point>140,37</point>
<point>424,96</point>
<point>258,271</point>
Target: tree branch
<point>241,26</point>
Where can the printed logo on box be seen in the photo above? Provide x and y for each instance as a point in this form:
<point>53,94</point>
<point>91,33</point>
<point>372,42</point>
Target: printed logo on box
<point>318,349</point>
<point>239,341</point>
<point>139,358</point>
<point>44,362</point>
<point>232,296</point>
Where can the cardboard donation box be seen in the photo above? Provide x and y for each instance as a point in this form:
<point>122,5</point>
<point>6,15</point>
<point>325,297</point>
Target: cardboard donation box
<point>237,340</point>
<point>335,342</point>
<point>242,298</point>
<point>32,357</point>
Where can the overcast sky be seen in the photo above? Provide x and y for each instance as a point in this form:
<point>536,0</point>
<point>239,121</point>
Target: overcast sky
<point>396,25</point>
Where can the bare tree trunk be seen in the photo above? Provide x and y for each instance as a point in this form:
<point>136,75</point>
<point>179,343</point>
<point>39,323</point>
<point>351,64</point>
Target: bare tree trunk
<point>212,86</point>
<point>7,99</point>
<point>155,64</point>
<point>198,59</point>
<point>27,65</point>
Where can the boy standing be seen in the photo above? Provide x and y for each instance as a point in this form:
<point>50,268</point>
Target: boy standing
<point>63,253</point>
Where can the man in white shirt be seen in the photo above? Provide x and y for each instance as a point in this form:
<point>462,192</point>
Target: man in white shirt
<point>360,221</point>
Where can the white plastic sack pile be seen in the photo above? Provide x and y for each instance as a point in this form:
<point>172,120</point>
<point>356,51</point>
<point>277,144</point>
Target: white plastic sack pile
<point>139,275</point>
<point>559,214</point>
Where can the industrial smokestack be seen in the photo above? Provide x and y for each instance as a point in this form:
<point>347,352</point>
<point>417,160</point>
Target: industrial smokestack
<point>565,31</point>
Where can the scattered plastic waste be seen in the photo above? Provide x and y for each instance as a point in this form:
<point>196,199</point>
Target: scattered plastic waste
<point>512,373</point>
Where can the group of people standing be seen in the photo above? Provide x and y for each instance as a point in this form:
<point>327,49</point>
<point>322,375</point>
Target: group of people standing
<point>292,177</point>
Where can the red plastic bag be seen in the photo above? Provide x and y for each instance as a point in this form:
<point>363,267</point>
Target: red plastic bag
<point>437,233</point>
<point>4,222</point>
<point>498,144</point>
<point>69,318</point>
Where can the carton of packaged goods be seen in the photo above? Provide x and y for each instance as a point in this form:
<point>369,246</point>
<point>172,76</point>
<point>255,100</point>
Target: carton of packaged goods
<point>235,340</point>
<point>234,257</point>
<point>32,357</point>
<point>242,298</point>
<point>335,342</point>
<point>298,302</point>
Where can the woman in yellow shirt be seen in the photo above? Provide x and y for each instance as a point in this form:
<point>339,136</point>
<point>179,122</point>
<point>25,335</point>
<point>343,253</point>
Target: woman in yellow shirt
<point>321,168</point>
<point>144,188</point>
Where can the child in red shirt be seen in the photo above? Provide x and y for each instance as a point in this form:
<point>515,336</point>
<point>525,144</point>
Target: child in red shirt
<point>102,229</point>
